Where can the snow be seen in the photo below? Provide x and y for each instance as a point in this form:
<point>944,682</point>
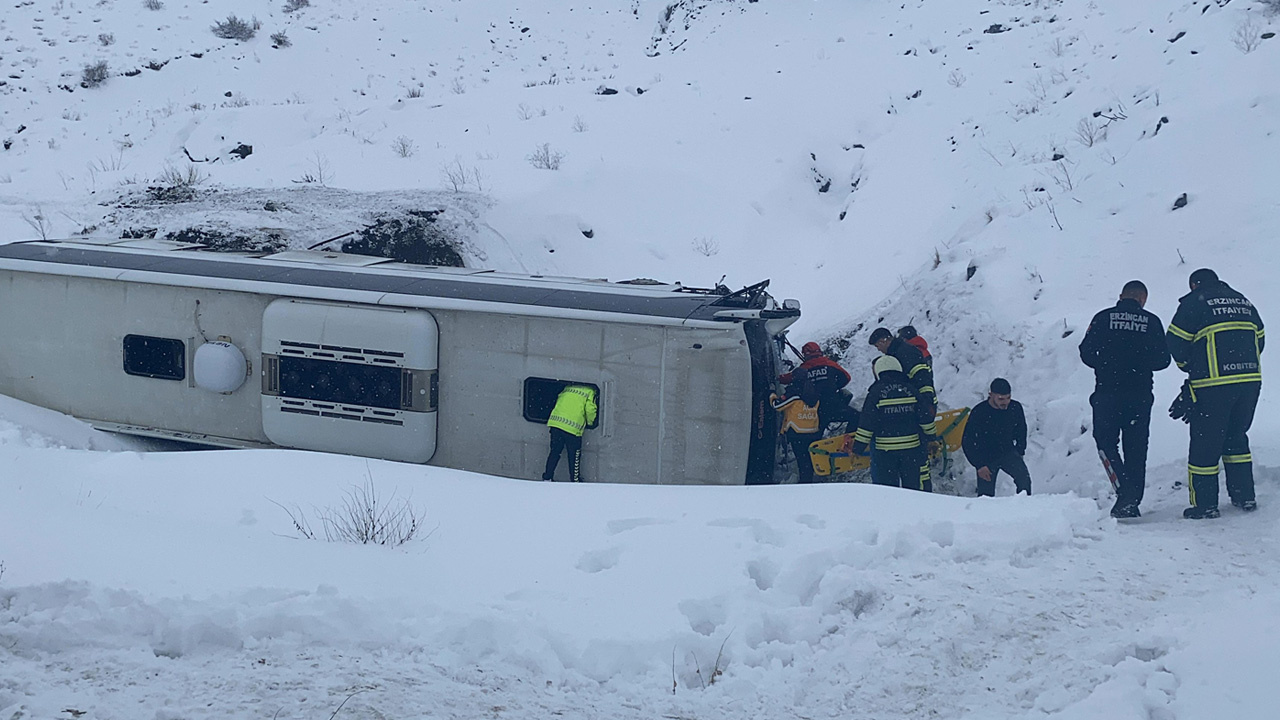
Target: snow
<point>150,584</point>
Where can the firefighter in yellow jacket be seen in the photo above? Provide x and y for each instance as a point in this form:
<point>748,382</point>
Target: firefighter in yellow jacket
<point>574,412</point>
<point>800,425</point>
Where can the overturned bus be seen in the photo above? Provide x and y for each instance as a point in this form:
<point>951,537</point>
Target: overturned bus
<point>455,367</point>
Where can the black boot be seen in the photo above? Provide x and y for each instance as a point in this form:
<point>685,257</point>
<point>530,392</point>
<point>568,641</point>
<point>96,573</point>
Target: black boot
<point>1246,505</point>
<point>1127,510</point>
<point>1201,513</point>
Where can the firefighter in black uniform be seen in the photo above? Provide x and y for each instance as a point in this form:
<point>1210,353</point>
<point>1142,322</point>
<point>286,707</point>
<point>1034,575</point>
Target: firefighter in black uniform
<point>1124,345</point>
<point>913,364</point>
<point>1216,337</point>
<point>897,425</point>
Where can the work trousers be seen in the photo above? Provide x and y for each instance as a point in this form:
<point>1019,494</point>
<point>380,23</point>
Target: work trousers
<point>1011,463</point>
<point>902,468</point>
<point>1124,420</point>
<point>572,444</point>
<point>799,443</point>
<point>1220,421</point>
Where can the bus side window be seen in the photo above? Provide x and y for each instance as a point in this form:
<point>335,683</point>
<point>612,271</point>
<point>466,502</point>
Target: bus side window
<point>540,398</point>
<point>154,357</point>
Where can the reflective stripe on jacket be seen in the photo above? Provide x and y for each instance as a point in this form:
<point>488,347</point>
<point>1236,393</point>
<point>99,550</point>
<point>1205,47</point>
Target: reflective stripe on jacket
<point>796,415</point>
<point>894,415</point>
<point>575,409</point>
<point>1216,337</point>
<point>915,368</point>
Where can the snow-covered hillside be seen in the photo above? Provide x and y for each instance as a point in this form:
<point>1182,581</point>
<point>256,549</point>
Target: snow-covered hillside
<point>991,172</point>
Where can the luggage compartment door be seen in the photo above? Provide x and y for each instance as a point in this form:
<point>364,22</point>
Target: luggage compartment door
<point>354,379</point>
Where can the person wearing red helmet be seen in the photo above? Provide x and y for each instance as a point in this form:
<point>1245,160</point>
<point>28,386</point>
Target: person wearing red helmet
<point>826,377</point>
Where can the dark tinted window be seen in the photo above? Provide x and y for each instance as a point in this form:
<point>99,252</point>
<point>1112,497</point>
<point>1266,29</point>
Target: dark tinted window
<point>153,357</point>
<point>540,398</point>
<point>340,382</point>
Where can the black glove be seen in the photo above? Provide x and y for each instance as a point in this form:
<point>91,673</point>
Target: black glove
<point>1182,405</point>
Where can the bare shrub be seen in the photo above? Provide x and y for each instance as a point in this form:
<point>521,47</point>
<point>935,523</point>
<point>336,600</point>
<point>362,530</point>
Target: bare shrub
<point>94,75</point>
<point>544,158</point>
<point>1061,173</point>
<point>364,517</point>
<point>956,78</point>
<point>404,146</point>
<point>706,246</point>
<point>105,39</point>
<point>296,5</point>
<point>413,93</point>
<point>39,222</point>
<point>579,125</point>
<point>280,39</point>
<point>524,112</point>
<point>111,163</point>
<point>458,87</point>
<point>319,173</point>
<point>1090,133</point>
<point>233,28</point>
<point>152,4</point>
<point>1247,36</point>
<point>175,176</point>
<point>1039,88</point>
<point>175,184</point>
<point>459,177</point>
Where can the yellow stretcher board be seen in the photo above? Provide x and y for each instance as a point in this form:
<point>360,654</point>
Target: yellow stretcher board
<point>828,459</point>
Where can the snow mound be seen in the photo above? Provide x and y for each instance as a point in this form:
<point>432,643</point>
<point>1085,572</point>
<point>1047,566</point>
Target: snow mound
<point>26,425</point>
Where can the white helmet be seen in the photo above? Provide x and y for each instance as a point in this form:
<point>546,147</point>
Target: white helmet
<point>885,362</point>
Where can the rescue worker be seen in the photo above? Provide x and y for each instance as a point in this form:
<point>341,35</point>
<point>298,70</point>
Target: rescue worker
<point>800,412</point>
<point>995,439</point>
<point>1216,337</point>
<point>908,335</point>
<point>1124,345</point>
<point>897,425</point>
<point>912,362</point>
<point>826,377</point>
<point>574,412</point>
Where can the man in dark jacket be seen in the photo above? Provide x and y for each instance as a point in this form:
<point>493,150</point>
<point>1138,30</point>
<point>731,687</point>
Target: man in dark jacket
<point>908,335</point>
<point>995,439</point>
<point>912,362</point>
<point>826,377</point>
<point>897,426</point>
<point>1216,337</point>
<point>1124,345</point>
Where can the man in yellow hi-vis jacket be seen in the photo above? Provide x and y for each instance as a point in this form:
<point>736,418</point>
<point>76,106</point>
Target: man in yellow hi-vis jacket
<point>1216,337</point>
<point>575,410</point>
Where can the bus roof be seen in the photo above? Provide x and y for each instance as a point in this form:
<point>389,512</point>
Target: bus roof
<point>168,262</point>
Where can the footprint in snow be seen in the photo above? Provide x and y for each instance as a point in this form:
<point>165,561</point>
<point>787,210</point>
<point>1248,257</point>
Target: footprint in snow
<point>813,522</point>
<point>761,531</point>
<point>599,560</point>
<point>616,527</point>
